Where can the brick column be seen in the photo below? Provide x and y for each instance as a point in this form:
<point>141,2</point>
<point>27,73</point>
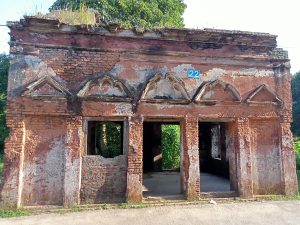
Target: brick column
<point>190,159</point>
<point>244,159</point>
<point>72,177</point>
<point>288,163</point>
<point>11,191</point>
<point>134,192</point>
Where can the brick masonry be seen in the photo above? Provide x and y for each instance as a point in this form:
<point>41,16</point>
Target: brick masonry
<point>62,76</point>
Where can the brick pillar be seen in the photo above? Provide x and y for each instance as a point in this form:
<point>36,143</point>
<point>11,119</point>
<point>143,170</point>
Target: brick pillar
<point>72,177</point>
<point>288,163</point>
<point>244,159</point>
<point>11,190</point>
<point>191,171</point>
<point>134,192</point>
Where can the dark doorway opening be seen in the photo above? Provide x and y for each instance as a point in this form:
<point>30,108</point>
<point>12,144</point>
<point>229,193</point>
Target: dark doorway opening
<point>213,157</point>
<point>161,159</point>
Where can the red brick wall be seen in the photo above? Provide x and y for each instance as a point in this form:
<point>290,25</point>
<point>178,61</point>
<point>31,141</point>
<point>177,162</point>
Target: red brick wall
<point>46,148</point>
<point>43,170</point>
<point>103,179</point>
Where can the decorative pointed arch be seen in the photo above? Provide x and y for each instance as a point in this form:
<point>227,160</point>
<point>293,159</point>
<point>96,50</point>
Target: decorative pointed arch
<point>263,95</point>
<point>217,91</point>
<point>46,87</point>
<point>165,88</point>
<point>105,88</point>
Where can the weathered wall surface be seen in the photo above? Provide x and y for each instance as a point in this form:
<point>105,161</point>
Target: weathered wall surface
<point>103,179</point>
<point>266,172</point>
<point>43,169</point>
<point>60,73</point>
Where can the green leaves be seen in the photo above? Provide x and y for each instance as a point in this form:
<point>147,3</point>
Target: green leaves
<point>130,13</point>
<point>170,146</point>
<point>296,104</point>
<point>4,65</point>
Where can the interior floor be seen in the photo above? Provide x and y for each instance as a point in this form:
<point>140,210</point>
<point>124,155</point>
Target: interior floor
<point>161,184</point>
<point>157,184</point>
<point>213,183</point>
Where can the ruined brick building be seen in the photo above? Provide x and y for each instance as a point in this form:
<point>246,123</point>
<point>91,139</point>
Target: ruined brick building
<point>229,91</point>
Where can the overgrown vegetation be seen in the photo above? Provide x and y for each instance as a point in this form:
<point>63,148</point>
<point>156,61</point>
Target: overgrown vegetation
<point>4,64</point>
<point>170,146</point>
<point>82,15</point>
<point>130,13</point>
<point>14,213</point>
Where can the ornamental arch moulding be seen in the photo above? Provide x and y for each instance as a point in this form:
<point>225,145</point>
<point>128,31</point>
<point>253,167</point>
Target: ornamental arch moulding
<point>165,88</point>
<point>46,87</point>
<point>105,88</point>
<point>217,91</point>
<point>263,95</point>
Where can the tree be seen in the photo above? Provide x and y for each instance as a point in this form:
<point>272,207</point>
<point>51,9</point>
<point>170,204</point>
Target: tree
<point>170,146</point>
<point>296,104</point>
<point>4,64</point>
<point>130,13</point>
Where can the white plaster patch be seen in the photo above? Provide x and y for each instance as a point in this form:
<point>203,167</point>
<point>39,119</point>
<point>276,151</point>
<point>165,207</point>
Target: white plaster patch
<point>252,72</point>
<point>123,109</point>
<point>71,181</point>
<point>117,69</point>
<point>213,74</point>
<point>164,88</point>
<point>25,69</point>
<point>287,141</point>
<point>181,70</point>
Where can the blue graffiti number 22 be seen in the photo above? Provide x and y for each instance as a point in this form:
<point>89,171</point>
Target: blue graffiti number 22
<point>193,73</point>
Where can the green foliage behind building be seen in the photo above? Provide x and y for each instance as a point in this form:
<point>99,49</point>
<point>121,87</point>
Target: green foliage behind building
<point>4,65</point>
<point>130,13</point>
<point>296,104</point>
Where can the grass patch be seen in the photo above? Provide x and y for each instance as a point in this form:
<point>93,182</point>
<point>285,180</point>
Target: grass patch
<point>131,206</point>
<point>14,213</point>
<point>73,17</point>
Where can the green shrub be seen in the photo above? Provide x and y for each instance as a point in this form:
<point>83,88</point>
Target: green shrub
<point>170,146</point>
<point>297,149</point>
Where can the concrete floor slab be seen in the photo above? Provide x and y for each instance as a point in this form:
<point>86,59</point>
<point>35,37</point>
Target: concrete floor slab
<point>168,183</point>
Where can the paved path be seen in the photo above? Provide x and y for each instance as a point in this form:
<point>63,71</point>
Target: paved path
<point>264,213</point>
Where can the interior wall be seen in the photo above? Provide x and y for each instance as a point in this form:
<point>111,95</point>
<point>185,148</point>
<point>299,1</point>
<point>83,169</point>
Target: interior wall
<point>211,140</point>
<point>152,151</point>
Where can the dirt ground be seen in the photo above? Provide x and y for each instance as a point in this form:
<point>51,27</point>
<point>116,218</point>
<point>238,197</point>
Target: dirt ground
<point>268,212</point>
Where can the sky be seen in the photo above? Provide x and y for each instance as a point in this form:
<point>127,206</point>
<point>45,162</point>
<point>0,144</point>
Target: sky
<point>270,16</point>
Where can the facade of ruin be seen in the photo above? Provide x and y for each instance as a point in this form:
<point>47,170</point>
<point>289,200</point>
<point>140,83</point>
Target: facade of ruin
<point>229,91</point>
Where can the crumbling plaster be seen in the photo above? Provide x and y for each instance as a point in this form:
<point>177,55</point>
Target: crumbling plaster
<point>62,76</point>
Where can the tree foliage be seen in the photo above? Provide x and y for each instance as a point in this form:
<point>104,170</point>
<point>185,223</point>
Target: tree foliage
<point>130,13</point>
<point>170,146</point>
<point>4,64</point>
<point>109,139</point>
<point>296,104</point>
<point>297,148</point>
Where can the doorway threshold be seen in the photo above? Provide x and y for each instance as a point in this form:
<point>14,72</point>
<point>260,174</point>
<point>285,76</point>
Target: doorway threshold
<point>164,198</point>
